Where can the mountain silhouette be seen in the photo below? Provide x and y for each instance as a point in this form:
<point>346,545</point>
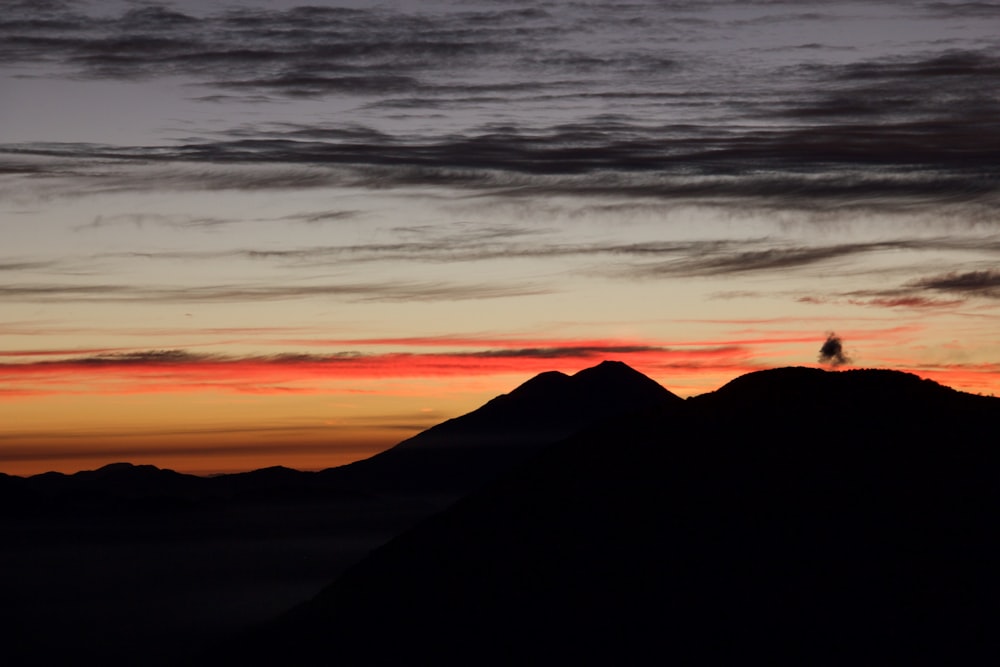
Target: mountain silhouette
<point>136,560</point>
<point>793,516</point>
<point>463,453</point>
<point>447,460</point>
<point>553,405</point>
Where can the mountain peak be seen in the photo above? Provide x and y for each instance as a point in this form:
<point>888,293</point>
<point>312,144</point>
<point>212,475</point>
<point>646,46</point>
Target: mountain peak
<point>613,372</point>
<point>542,384</point>
<point>459,454</point>
<point>122,467</point>
<point>609,366</point>
<point>622,385</point>
<point>566,402</point>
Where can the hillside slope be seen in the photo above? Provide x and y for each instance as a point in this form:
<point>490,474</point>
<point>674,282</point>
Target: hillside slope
<point>794,515</point>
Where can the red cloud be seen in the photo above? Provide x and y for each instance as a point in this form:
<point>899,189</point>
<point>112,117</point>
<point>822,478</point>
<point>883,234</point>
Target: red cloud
<point>906,302</point>
<point>175,370</point>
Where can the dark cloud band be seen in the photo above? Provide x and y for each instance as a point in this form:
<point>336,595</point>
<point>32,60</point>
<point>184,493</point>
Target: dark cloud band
<point>920,125</point>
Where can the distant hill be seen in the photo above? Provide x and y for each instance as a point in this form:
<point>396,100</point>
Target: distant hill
<point>446,460</point>
<point>793,516</point>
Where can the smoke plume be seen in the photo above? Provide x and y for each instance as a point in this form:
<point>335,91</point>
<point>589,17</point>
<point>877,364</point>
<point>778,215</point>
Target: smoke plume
<point>832,351</point>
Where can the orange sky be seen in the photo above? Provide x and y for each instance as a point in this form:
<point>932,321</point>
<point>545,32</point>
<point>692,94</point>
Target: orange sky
<point>207,412</point>
<point>220,248</point>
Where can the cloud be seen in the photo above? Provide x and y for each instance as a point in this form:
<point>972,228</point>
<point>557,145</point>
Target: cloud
<point>23,265</point>
<point>564,119</point>
<point>832,351</point>
<point>314,217</point>
<point>311,85</point>
<point>144,358</point>
<point>498,345</point>
<point>724,260</point>
<point>963,10</point>
<point>905,301</point>
<point>961,285</point>
<point>63,292</point>
<point>62,353</point>
<point>139,220</point>
<point>913,98</point>
<point>580,352</point>
<point>295,52</point>
<point>178,370</point>
<point>727,257</point>
<point>466,242</point>
<point>948,161</point>
<point>387,291</point>
<point>972,283</point>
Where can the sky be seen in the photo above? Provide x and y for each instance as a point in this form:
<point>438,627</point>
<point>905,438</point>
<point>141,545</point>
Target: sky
<point>243,234</point>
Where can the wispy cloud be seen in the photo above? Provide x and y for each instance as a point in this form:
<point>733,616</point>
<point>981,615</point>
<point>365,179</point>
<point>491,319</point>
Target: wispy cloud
<point>906,301</point>
<point>918,163</point>
<point>960,286</point>
<point>313,217</point>
<point>61,353</point>
<point>914,126</point>
<point>403,358</point>
<point>962,9</point>
<point>461,243</point>
<point>974,283</point>
<point>918,93</point>
<point>728,261</point>
<point>23,266</point>
<point>140,220</point>
<point>297,52</point>
<point>718,258</point>
<point>176,370</point>
<point>445,243</point>
<point>494,343</point>
<point>386,292</point>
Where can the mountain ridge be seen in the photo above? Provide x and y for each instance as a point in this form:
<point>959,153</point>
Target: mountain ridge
<point>728,514</point>
<point>465,452</point>
<point>505,430</point>
<point>712,534</point>
<point>749,385</point>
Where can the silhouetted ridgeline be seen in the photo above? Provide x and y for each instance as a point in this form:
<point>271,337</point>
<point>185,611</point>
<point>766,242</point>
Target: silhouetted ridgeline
<point>134,560</point>
<point>794,515</point>
<point>446,460</point>
<point>460,454</point>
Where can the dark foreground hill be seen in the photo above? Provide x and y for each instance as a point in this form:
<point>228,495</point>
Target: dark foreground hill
<point>795,516</point>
